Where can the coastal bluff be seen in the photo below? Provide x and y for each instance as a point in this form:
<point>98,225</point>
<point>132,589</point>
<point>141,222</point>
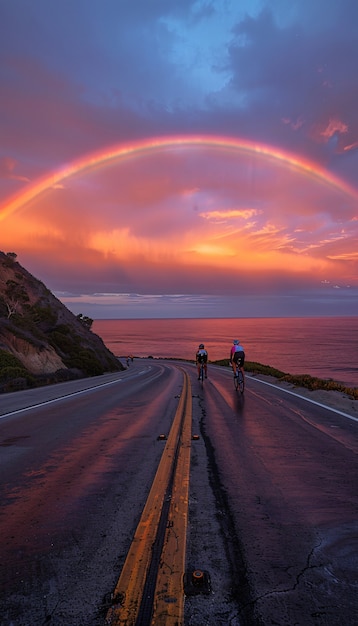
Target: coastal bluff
<point>41,341</point>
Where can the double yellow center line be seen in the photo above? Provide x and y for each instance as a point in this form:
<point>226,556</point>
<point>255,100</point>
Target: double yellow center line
<point>167,605</point>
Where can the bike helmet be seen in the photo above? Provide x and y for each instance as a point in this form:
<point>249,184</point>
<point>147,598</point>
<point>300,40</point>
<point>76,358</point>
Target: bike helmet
<point>201,346</point>
<point>236,342</point>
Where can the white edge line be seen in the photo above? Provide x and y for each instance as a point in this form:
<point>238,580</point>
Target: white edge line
<point>297,395</point>
<point>69,395</point>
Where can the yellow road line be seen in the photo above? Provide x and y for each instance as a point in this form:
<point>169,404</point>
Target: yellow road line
<point>169,597</point>
<point>129,588</point>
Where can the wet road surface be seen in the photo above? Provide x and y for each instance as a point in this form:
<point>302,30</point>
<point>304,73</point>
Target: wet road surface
<point>273,504</point>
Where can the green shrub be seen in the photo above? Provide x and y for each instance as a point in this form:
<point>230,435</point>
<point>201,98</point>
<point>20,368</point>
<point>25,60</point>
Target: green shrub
<point>43,314</point>
<point>73,354</point>
<point>313,383</point>
<point>24,328</point>
<point>8,360</point>
<point>11,373</point>
<point>18,383</point>
<point>86,361</point>
<point>258,368</point>
<point>67,344</point>
<point>63,329</point>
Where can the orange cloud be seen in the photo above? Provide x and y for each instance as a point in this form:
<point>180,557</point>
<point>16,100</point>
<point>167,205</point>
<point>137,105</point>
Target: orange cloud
<point>351,146</point>
<point>230,213</point>
<point>169,223</point>
<point>334,126</point>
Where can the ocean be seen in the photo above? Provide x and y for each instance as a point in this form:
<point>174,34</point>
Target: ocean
<point>326,347</point>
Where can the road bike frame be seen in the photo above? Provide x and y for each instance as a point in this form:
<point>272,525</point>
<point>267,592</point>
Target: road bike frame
<point>239,381</point>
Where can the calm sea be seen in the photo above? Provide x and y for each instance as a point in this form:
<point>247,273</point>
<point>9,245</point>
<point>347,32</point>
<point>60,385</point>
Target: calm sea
<point>325,347</point>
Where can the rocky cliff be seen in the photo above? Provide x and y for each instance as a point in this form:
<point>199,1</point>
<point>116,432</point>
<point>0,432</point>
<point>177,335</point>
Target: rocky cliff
<point>41,341</point>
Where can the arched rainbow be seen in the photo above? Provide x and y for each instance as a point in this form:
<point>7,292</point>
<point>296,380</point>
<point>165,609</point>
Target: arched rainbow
<point>136,149</point>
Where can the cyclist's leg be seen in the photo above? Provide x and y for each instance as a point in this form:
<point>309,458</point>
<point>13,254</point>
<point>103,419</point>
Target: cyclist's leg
<point>242,363</point>
<point>241,381</point>
<point>200,370</point>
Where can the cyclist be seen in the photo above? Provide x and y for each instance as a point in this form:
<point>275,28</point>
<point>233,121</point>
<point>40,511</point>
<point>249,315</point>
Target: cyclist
<point>237,356</point>
<point>202,357</point>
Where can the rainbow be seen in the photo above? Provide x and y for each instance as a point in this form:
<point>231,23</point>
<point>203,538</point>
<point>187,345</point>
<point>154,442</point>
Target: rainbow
<point>119,152</point>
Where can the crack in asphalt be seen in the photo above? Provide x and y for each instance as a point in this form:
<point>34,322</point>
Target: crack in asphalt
<point>308,567</point>
<point>242,593</point>
<point>240,590</point>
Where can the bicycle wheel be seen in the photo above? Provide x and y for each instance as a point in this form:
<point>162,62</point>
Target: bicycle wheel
<point>241,382</point>
<point>202,373</point>
<point>236,382</point>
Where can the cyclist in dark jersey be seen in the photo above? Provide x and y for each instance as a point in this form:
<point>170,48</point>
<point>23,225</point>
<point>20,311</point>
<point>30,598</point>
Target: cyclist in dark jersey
<point>237,356</point>
<point>202,357</point>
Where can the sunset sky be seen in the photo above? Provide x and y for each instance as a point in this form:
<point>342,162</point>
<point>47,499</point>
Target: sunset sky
<point>171,158</point>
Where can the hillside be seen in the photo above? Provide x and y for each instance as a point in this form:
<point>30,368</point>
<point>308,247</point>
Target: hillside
<point>41,341</point>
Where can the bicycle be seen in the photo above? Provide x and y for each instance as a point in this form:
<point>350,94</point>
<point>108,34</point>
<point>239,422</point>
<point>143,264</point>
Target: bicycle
<point>202,372</point>
<point>239,381</point>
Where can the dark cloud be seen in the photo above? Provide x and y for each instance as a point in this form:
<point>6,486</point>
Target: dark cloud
<point>81,75</point>
<point>298,80</point>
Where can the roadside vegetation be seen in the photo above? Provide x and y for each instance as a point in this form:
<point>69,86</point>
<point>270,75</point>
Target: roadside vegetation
<point>15,377</point>
<point>298,380</point>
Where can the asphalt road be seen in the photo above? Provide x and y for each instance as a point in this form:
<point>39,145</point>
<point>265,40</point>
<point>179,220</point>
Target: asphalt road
<point>273,509</point>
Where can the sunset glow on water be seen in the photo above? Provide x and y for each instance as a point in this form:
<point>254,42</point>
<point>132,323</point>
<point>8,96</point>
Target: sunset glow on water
<point>322,347</point>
